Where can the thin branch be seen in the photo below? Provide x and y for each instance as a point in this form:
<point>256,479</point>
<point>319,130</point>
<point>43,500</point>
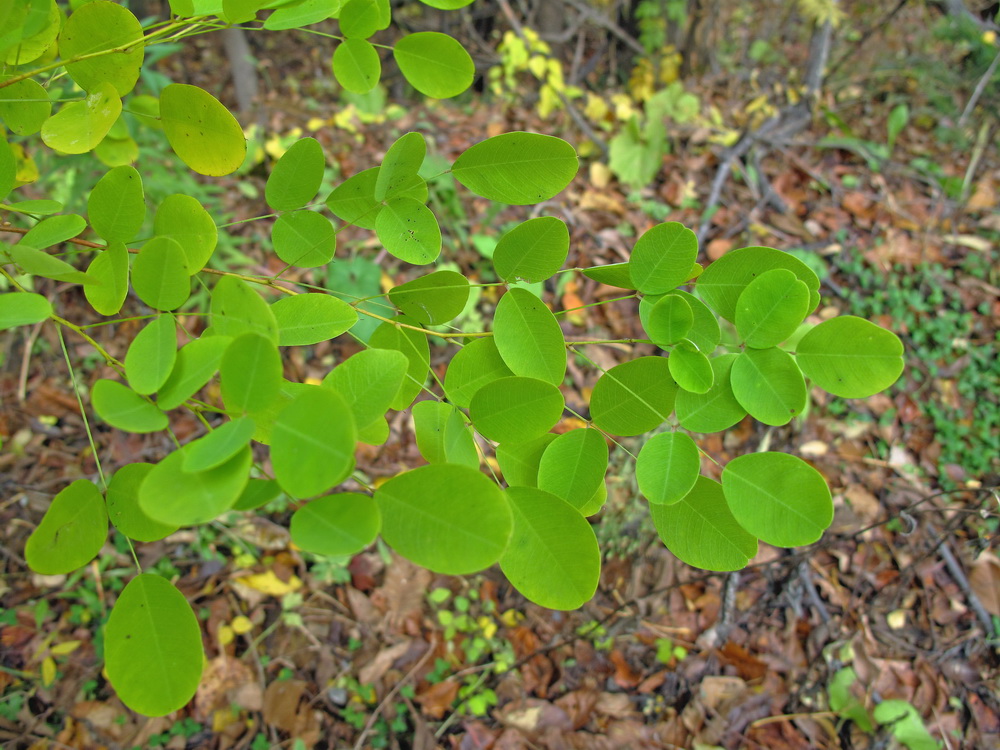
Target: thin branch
<point>978,91</point>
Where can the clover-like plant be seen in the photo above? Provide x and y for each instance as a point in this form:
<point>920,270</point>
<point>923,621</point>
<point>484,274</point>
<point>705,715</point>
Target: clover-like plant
<point>732,338</point>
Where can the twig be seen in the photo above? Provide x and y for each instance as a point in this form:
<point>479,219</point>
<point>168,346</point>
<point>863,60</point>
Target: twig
<point>978,91</point>
<point>805,574</point>
<point>985,131</point>
<point>606,23</point>
<point>869,33</point>
<point>958,575</point>
<point>22,378</point>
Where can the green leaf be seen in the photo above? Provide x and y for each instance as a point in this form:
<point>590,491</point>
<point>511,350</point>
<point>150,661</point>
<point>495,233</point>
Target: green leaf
<point>201,131</point>
<point>614,274</point>
<point>553,557</point>
<point>79,126</point>
<point>473,366</point>
<point>723,281</point>
<point>250,374</point>
<point>184,219</point>
<point>529,337</point>
<point>432,299</point>
<point>633,397</point>
<point>8,169</point>
<point>409,230</point>
<point>241,11</point>
<point>196,363</point>
<point>39,207</point>
<point>447,518</point>
<point>305,13</point>
<point>690,368</point>
<point>353,201</point>
<point>516,409</point>
<point>771,307</point>
<point>238,309</point>
<point>171,495</point>
<point>517,168</point>
<point>663,257</point>
<point>24,108</point>
<point>257,493</point>
<point>109,269</point>
<point>414,345</point>
<point>400,166</point>
<point>447,4</point>
<point>369,382</point>
<point>312,442</point>
<point>573,466</point>
<point>705,332</point>
<point>116,206</point>
<point>778,498</point>
<point>23,309</point>
<point>160,274</point>
<point>341,524</point>
<point>359,19</point>
<point>519,461</point>
<point>904,722</point>
<point>151,355</point>
<point>442,435</point>
<point>152,647</point>
<point>304,238</point>
<point>218,446</point>
<point>96,27</point>
<point>532,251</point>
<point>435,64</point>
<point>71,533</point>
<point>715,410</point>
<point>356,65</point>
<point>305,319</point>
<point>667,467</point>
<point>123,505</point>
<point>54,231</point>
<point>701,530</point>
<point>850,357</point>
<point>897,120</point>
<point>121,407</point>
<point>40,263</point>
<point>296,177</point>
<point>669,320</point>
<point>769,385</point>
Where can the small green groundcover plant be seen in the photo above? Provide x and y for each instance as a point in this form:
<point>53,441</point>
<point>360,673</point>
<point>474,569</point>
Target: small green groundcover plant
<point>732,337</point>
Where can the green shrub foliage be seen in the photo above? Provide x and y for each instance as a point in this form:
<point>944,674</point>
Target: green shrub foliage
<point>69,83</point>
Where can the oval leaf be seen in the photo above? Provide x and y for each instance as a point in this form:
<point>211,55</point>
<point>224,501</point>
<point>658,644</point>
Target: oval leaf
<point>690,368</point>
<point>23,309</point>
<point>715,410</point>
<point>442,434</point>
<point>519,462</point>
<point>667,467</point>
<point>250,374</point>
<point>304,238</point>
<point>769,385</point>
<point>305,319</point>
<point>71,533</point>
<point>553,557</point>
<point>450,519</point>
<point>850,357</point>
<point>184,219</point>
<point>356,65</point>
<point>201,131</point>
<point>296,177</point>
<point>573,466</point>
<point>342,524</point>
<point>96,27</point>
<point>400,165</point>
<point>669,320</point>
<point>778,498</point>
<point>25,107</point>
<point>152,647</point>
<point>123,505</point>
<point>418,352</point>
<point>218,446</point>
<point>79,126</point>
<point>473,366</point>
<point>432,299</point>
<point>633,397</point>
<point>663,257</point>
<point>160,275</point>
<point>171,495</point>
<point>369,382</point>
<point>116,206</point>
<point>771,307</point>
<point>121,407</point>
<point>195,365</point>
<point>312,442</point>
<point>435,64</point>
<point>150,357</point>
<point>409,230</point>
<point>517,168</point>
<point>701,530</point>
<point>532,251</point>
<point>529,337</point>
<point>516,409</point>
<point>238,309</point>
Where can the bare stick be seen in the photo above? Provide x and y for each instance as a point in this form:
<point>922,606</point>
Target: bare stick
<point>958,575</point>
<point>978,91</point>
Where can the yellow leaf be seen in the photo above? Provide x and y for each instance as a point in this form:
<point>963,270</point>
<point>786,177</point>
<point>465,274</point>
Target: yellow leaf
<point>48,671</point>
<point>537,66</point>
<point>487,625</point>
<point>269,583</point>
<point>241,624</point>
<point>512,618</point>
<point>225,635</point>
<point>66,647</point>
<point>989,37</point>
<point>600,174</point>
<point>596,109</point>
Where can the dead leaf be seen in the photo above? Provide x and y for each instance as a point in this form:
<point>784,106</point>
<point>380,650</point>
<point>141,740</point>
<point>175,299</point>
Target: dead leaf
<point>281,704</point>
<point>718,689</point>
<point>377,667</point>
<point>984,578</point>
<point>436,700</point>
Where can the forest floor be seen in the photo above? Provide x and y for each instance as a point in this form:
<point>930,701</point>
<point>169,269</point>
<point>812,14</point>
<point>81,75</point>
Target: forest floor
<point>895,611</point>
